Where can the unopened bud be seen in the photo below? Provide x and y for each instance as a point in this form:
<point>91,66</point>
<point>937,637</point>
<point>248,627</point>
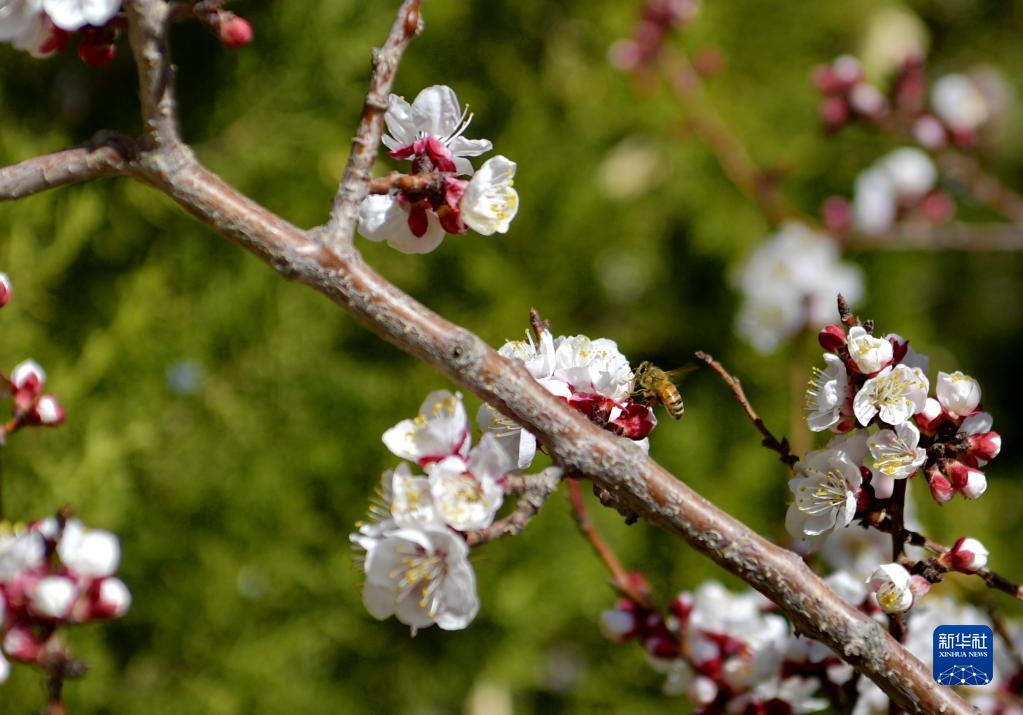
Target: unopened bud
<point>958,393</point>
<point>976,484</point>
<point>985,446</point>
<point>941,488</point>
<point>661,646</point>
<point>113,599</point>
<point>831,338</point>
<point>929,132</point>
<point>47,412</point>
<point>682,606</point>
<point>53,597</point>
<point>930,418</point>
<point>97,47</point>
<point>235,31</point>
<point>28,376</point>
<point>21,644</point>
<point>5,290</point>
<point>617,625</point>
<point>967,555</point>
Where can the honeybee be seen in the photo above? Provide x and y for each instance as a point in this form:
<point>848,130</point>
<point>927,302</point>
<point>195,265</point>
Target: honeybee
<point>651,384</point>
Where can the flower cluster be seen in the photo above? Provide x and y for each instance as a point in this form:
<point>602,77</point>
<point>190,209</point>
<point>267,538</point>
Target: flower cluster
<point>415,556</point>
<point>950,111</point>
<point>874,392</point>
<point>789,283</point>
<point>590,375</point>
<point>429,133</point>
<point>45,27</point>
<point>658,20</point>
<point>900,186</point>
<point>31,406</point>
<point>53,573</point>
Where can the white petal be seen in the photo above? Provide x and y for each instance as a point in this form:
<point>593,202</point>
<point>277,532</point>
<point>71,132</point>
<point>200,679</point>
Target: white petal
<point>436,111</point>
<point>407,242</point>
<point>460,146</point>
<point>490,203</point>
<point>381,218</point>
<point>16,16</point>
<point>99,12</point>
<point>90,553</point>
<point>400,126</point>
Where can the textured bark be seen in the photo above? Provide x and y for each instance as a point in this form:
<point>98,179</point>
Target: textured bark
<point>325,260</point>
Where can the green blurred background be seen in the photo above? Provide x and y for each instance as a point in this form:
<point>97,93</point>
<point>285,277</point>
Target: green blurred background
<point>226,424</point>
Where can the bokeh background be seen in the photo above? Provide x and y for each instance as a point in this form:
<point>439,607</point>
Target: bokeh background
<point>226,423</point>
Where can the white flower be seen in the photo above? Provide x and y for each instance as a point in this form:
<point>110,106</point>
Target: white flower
<point>16,16</point>
<point>824,491</point>
<point>54,596</point>
<point>959,394</point>
<point>421,577</point>
<point>383,217</point>
<point>874,201</point>
<point>891,584</point>
<point>896,394</point>
<point>827,394</point>
<point>441,429</point>
<point>895,451</point>
<point>593,366</point>
<point>539,359</point>
<point>89,553</point>
<point>959,102</point>
<point>20,552</point>
<point>463,501</point>
<point>911,170</point>
<point>795,691</point>
<point>435,112</point>
<point>791,281</point>
<point>869,353</point>
<point>490,203</point>
<point>73,15</point>
<point>408,498</point>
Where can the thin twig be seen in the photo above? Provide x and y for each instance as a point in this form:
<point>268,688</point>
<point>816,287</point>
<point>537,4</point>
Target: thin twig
<point>714,132</point>
<point>616,465</point>
<point>619,576</point>
<point>770,441</point>
<point>425,183</point>
<point>355,183</point>
<point>534,490</point>
<point>983,186</point>
<point>920,236</point>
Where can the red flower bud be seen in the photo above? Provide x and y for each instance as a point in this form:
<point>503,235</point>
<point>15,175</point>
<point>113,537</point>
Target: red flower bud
<point>235,31</point>
<point>831,338</point>
<point>985,446</point>
<point>941,488</point>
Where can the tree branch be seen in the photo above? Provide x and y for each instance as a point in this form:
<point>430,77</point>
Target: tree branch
<point>107,154</point>
<point>534,491</point>
<point>770,441</point>
<point>340,228</point>
<point>334,268</point>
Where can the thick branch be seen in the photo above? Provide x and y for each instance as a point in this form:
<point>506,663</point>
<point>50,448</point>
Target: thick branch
<point>148,23</point>
<point>616,465</point>
<point>108,154</point>
<point>355,182</point>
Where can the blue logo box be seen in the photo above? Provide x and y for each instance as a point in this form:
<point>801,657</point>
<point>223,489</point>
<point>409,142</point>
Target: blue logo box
<point>963,655</point>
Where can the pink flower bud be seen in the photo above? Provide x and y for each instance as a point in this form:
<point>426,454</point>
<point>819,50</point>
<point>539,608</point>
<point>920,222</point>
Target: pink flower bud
<point>846,71</point>
<point>831,338</point>
<point>930,418</point>
<point>682,606</point>
<point>53,597</point>
<point>941,488</point>
<point>929,132</point>
<point>28,376</point>
<point>834,112</point>
<point>968,555</point>
<point>235,31</point>
<point>661,646</point>
<point>976,484</point>
<point>938,207</point>
<point>5,290</point>
<point>837,214</point>
<point>47,412</point>
<point>867,100</point>
<point>618,625</point>
<point>21,644</point>
<point>919,586</point>
<point>985,446</point>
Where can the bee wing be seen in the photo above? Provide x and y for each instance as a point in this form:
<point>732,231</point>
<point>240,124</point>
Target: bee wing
<point>679,374</point>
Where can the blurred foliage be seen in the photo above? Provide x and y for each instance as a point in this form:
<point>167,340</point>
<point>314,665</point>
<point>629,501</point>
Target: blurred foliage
<point>226,423</point>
